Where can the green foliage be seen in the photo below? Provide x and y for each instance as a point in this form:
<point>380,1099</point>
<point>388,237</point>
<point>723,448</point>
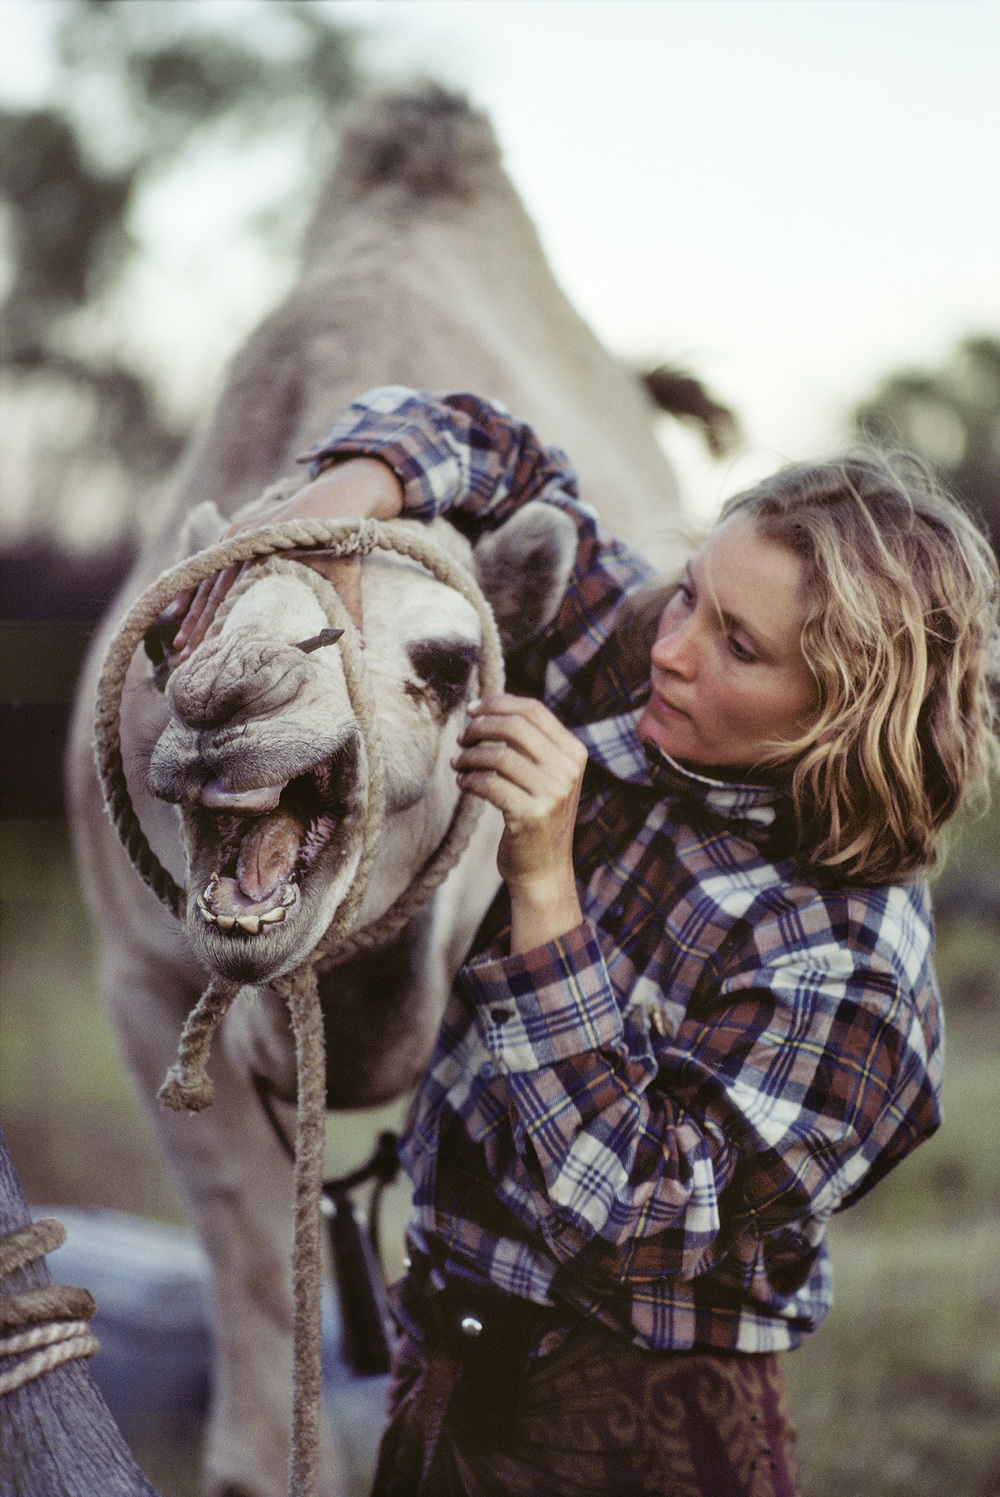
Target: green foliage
<point>167,72</point>
<point>67,225</point>
<point>950,417</point>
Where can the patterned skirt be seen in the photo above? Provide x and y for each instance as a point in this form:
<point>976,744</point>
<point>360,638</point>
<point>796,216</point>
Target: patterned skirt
<point>596,1416</point>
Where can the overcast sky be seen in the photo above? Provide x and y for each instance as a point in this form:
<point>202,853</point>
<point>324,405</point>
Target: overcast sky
<point>790,196</point>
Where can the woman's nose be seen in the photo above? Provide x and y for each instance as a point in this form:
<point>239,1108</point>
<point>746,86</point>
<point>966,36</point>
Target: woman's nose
<point>674,651</point>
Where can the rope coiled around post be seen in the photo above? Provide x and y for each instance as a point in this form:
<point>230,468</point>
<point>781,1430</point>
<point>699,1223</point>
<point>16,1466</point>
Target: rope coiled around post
<point>188,1084</point>
<point>51,1322</point>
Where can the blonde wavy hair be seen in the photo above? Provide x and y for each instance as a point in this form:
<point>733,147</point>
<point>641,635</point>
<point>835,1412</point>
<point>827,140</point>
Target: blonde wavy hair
<point>901,636</point>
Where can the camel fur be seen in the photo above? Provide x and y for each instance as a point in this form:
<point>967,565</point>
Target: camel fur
<point>421,268</point>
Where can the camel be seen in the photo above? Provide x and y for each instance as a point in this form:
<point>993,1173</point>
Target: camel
<point>421,269</point>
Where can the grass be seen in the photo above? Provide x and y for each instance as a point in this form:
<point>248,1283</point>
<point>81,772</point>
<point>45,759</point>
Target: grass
<point>897,1396</point>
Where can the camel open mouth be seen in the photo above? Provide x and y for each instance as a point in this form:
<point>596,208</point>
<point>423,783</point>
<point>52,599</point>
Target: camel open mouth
<point>263,861</point>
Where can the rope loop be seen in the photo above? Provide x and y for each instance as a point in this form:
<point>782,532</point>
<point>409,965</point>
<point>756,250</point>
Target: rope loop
<point>334,537</point>
<point>188,1084</point>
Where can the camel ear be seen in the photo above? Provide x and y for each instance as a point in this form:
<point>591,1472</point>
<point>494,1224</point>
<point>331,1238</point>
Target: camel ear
<point>524,567</point>
<point>202,528</point>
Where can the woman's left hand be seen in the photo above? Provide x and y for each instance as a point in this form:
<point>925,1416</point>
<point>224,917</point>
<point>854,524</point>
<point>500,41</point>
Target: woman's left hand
<point>517,755</point>
<point>356,488</point>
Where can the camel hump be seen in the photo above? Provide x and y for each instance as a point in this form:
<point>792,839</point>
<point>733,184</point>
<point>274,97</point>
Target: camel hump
<point>429,143</point>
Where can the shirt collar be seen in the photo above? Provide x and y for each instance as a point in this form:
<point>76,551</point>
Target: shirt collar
<point>614,744</point>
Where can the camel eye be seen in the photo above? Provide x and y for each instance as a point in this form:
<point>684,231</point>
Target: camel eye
<point>445,666</point>
<point>157,642</point>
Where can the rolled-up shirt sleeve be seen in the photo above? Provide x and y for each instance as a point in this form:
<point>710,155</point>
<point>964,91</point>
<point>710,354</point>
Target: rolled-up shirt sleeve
<point>449,451</point>
<point>468,459</point>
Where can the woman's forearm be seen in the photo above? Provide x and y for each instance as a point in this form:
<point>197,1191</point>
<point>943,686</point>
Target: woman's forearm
<point>541,913</point>
<point>356,488</point>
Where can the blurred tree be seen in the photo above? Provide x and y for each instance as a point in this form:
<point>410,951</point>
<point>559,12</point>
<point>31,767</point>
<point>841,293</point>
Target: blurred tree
<point>140,88</point>
<point>143,89</point>
<point>951,417</point>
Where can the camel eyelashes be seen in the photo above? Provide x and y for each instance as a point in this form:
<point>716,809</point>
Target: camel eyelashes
<point>317,642</point>
<point>445,666</point>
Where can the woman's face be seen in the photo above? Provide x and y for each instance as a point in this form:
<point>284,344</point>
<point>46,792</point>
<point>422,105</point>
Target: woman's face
<point>728,674</point>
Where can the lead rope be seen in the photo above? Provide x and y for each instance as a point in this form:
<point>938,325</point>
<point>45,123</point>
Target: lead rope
<point>188,1085</point>
<point>355,1249</point>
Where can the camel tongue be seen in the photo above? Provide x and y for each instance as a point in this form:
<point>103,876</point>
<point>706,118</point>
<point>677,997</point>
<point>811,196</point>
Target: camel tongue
<point>267,855</point>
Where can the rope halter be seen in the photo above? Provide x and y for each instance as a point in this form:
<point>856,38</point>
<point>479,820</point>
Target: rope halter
<point>188,1085</point>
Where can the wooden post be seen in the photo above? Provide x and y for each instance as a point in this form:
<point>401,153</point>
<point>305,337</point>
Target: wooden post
<point>57,1437</point>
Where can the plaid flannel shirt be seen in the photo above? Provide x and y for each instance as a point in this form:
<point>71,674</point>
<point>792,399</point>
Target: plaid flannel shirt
<point>651,1119</point>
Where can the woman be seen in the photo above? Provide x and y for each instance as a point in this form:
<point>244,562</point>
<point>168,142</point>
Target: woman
<point>701,1014</point>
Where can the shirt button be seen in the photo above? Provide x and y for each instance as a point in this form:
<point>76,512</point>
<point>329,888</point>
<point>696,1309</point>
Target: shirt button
<point>501,1015</point>
<point>488,1071</point>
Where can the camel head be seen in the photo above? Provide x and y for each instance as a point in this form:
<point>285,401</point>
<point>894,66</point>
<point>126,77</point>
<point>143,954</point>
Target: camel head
<point>269,767</point>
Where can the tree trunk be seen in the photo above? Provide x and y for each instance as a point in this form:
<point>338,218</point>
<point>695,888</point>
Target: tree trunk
<point>57,1438</point>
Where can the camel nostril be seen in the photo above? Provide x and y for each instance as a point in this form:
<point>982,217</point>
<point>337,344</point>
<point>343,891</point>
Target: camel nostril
<point>214,797</point>
<point>235,679</point>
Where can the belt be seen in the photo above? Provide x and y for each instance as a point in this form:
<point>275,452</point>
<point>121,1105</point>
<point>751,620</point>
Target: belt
<point>486,1334</point>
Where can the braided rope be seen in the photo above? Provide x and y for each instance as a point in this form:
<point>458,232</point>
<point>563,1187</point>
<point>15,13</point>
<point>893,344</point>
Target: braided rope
<point>44,1361</point>
<point>29,1242</point>
<point>188,1084</point>
<point>42,1335</point>
<point>50,1302</point>
<point>53,1322</point>
<point>299,990</point>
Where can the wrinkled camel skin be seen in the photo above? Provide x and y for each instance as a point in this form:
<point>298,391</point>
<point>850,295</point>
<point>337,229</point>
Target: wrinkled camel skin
<point>421,268</point>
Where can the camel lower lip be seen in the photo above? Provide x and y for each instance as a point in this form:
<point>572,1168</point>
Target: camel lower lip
<point>262,859</point>
<point>251,921</point>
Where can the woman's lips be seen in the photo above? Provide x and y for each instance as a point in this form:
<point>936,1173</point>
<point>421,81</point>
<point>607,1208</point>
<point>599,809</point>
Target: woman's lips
<point>662,708</point>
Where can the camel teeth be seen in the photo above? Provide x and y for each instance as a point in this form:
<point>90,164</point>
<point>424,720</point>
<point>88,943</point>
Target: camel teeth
<point>203,905</point>
<point>249,923</point>
<point>206,914</point>
<point>226,922</point>
<point>287,896</point>
<point>272,917</point>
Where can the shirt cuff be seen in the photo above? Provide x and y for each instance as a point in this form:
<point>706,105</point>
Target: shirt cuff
<point>546,1005</point>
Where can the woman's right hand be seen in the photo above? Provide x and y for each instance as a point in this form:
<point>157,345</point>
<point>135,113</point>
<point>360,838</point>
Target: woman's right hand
<point>358,488</point>
<point>516,754</point>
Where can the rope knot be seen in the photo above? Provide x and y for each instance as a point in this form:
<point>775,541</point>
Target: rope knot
<point>188,1086</point>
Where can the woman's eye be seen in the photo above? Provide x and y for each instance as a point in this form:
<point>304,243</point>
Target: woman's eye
<point>739,650</point>
<point>684,595</point>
